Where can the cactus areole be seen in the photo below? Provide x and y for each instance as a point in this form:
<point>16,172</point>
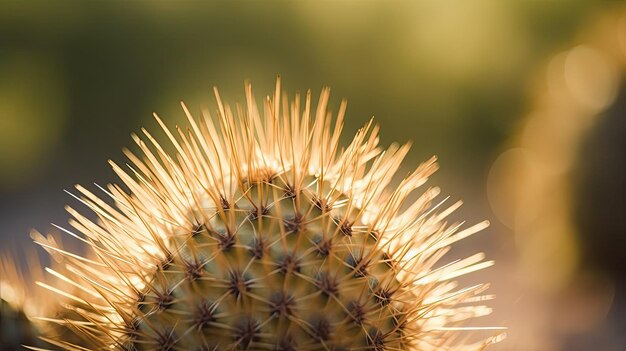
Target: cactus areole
<point>255,229</point>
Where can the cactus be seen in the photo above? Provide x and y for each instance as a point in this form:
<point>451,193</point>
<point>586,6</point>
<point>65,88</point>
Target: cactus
<point>261,232</point>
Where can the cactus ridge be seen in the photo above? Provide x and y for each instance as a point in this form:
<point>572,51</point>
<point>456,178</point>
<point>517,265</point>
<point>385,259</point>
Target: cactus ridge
<point>293,275</point>
<point>261,232</point>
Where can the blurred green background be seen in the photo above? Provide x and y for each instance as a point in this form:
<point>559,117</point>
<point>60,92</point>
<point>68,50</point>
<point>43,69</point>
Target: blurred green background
<point>456,78</point>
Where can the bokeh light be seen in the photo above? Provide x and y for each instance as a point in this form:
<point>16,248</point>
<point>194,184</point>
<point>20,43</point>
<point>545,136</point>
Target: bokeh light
<point>32,114</point>
<point>532,189</point>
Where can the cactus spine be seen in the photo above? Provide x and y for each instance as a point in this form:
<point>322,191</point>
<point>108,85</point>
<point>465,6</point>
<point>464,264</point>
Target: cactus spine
<point>261,232</point>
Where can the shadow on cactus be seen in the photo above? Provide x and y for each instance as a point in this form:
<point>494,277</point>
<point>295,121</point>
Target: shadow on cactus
<point>261,232</point>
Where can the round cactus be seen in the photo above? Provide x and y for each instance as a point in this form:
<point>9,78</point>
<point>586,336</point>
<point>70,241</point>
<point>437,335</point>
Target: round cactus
<point>261,232</point>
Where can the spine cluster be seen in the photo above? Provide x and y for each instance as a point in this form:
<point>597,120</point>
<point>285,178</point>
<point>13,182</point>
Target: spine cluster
<point>278,269</point>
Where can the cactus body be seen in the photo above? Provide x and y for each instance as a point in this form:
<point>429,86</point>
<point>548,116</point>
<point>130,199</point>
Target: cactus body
<point>275,270</point>
<point>261,232</point>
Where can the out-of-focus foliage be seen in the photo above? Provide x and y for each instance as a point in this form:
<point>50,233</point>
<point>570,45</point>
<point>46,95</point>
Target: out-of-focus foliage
<point>447,75</point>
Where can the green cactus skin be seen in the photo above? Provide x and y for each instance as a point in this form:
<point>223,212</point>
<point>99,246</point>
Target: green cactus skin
<point>275,270</point>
